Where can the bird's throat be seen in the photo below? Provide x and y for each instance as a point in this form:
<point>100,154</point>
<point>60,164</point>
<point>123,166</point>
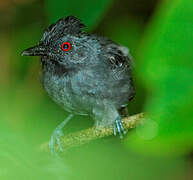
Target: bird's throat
<point>53,67</point>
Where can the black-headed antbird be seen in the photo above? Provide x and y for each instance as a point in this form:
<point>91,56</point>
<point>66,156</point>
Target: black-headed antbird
<point>85,74</point>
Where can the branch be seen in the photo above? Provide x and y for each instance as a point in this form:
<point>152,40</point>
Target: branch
<point>90,134</point>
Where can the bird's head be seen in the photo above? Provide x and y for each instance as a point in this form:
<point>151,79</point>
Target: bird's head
<point>64,42</point>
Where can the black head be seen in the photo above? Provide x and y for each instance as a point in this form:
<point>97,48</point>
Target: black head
<point>63,42</point>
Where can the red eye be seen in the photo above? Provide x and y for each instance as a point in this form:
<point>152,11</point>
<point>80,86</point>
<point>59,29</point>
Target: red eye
<point>66,46</point>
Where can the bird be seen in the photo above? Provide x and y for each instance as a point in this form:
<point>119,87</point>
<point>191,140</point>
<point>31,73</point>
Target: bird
<point>85,74</point>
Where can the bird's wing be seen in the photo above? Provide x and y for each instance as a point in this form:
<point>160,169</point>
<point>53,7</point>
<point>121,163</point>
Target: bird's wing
<point>120,61</point>
<point>117,56</point>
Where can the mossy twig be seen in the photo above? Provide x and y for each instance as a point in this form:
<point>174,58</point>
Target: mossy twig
<point>87,135</point>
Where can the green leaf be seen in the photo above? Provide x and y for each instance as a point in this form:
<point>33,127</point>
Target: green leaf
<point>90,12</point>
<point>166,68</point>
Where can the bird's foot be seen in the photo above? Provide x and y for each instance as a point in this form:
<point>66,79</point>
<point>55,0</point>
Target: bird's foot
<point>55,142</point>
<point>118,127</point>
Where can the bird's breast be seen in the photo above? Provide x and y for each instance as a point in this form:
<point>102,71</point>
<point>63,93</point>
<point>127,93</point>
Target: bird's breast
<point>66,92</point>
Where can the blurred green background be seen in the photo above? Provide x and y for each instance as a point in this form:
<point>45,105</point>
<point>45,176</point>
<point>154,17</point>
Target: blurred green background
<point>159,34</point>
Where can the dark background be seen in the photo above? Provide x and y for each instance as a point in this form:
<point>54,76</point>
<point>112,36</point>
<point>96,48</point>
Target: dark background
<point>159,36</point>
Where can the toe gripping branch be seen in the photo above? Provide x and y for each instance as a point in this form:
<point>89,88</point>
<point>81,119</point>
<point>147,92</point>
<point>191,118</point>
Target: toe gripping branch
<point>56,137</point>
<point>118,127</point>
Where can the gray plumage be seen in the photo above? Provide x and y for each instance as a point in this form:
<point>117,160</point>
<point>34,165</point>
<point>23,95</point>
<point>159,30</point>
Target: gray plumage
<point>92,78</point>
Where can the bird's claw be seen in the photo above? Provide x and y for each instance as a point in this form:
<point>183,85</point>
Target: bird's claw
<point>55,142</point>
<point>118,127</point>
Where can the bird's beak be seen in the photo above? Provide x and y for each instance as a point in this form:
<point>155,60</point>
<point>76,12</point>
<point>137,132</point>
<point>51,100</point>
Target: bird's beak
<point>38,50</point>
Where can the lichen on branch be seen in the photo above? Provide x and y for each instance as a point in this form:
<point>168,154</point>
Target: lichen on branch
<point>90,134</point>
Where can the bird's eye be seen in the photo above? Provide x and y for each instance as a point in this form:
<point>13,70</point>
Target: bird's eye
<point>66,46</point>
